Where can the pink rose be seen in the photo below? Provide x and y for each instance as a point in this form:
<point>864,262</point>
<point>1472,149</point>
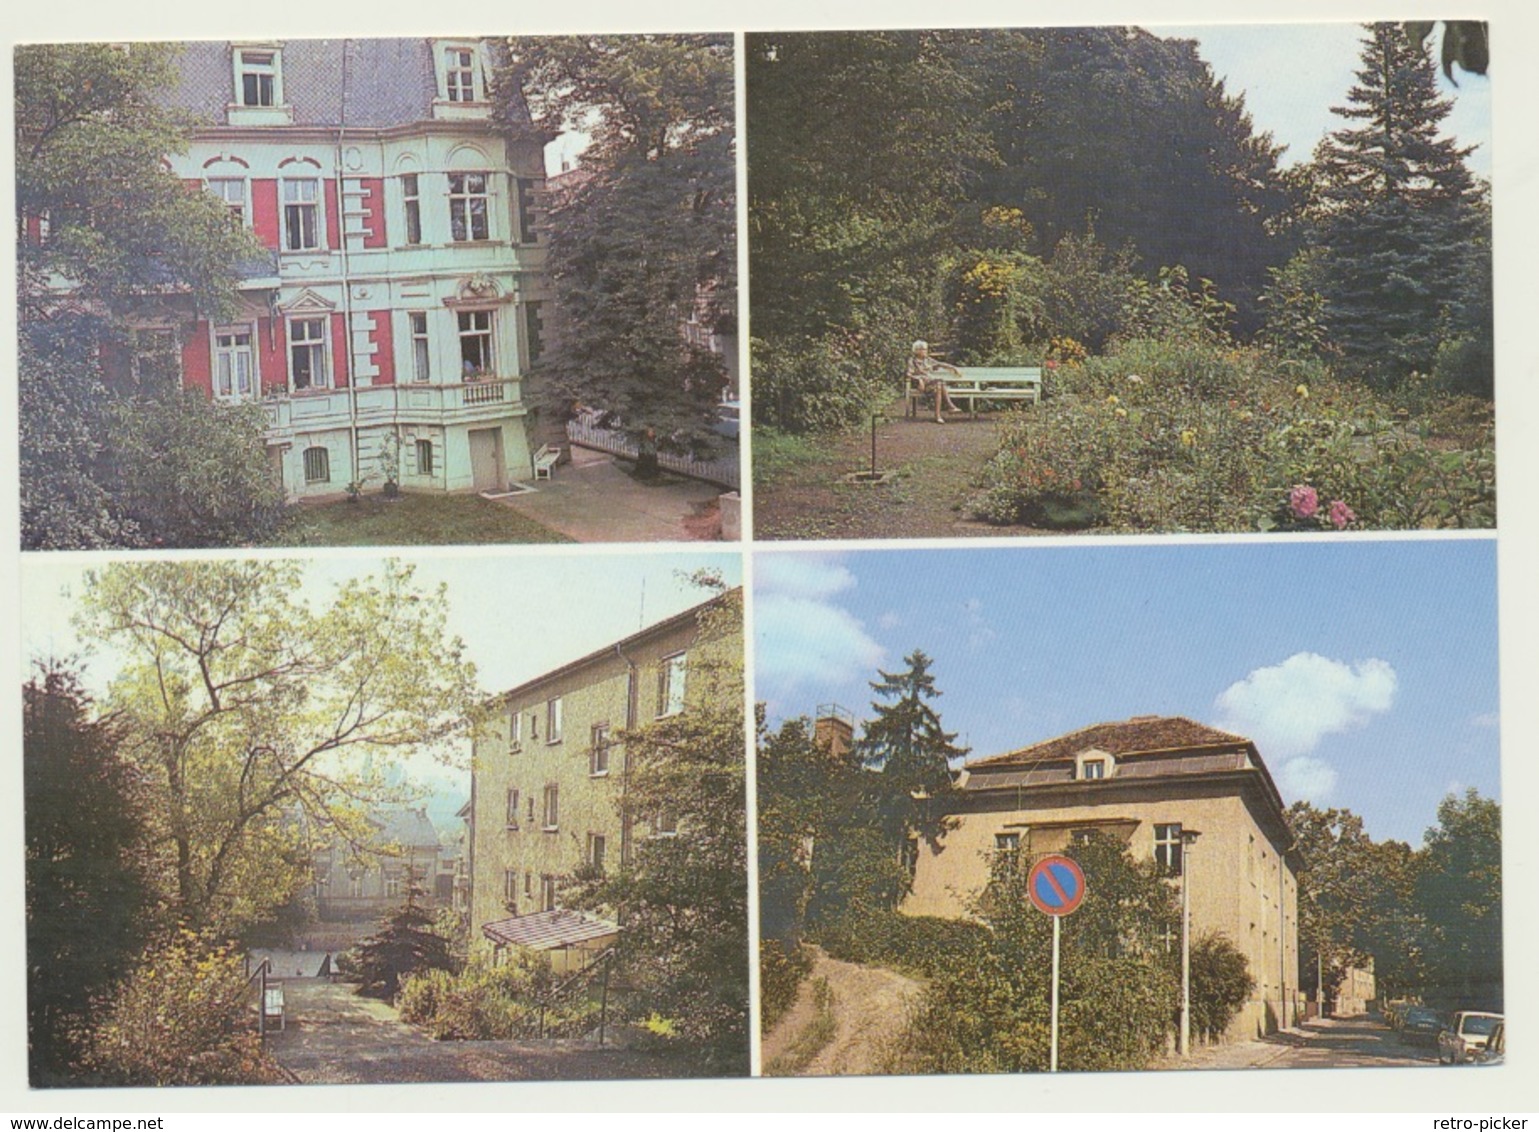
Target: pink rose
<point>1341,515</point>
<point>1303,501</point>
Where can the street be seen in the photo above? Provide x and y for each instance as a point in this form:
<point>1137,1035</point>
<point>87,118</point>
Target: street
<point>1330,1043</point>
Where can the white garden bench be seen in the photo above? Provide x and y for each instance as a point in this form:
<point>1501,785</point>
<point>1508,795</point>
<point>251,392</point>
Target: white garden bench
<point>982,383</point>
<point>544,460</point>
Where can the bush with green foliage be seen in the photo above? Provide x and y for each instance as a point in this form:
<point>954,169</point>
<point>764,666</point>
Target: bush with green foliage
<point>407,943</point>
<point>487,1002</point>
<point>1221,984</point>
<point>782,967</point>
<point>923,946</point>
<point>182,1017</point>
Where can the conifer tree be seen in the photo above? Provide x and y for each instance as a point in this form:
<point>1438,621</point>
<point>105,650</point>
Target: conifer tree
<point>908,745</point>
<point>407,943</point>
<point>1399,212</point>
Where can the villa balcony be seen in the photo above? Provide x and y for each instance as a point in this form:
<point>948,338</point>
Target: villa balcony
<point>464,403</point>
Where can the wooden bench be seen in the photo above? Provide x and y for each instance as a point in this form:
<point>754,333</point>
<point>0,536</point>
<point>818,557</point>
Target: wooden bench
<point>544,460</point>
<point>982,383</point>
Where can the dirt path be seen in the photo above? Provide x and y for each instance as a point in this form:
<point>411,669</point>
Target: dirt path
<point>870,1006</point>
<point>334,1037</point>
<point>937,467</point>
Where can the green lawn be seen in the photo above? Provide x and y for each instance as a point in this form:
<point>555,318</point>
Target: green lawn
<point>411,520</point>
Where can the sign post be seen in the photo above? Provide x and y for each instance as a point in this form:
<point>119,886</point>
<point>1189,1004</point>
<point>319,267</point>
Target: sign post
<point>1055,886</point>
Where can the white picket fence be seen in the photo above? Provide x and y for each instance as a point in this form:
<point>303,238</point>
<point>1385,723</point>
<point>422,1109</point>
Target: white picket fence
<point>724,470</point>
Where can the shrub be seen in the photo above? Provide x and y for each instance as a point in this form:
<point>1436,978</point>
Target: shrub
<point>1221,984</point>
<point>494,1003</point>
<point>920,945</point>
<point>182,1017</point>
<point>782,968</point>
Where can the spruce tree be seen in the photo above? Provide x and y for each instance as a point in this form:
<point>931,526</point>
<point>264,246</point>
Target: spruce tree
<point>406,943</point>
<point>1400,220</point>
<point>908,745</point>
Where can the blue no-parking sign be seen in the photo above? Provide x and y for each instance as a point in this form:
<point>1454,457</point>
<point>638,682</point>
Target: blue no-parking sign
<point>1055,885</point>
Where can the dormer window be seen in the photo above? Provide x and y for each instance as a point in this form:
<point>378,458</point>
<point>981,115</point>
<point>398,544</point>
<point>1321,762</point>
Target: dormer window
<point>1092,766</point>
<point>460,74</point>
<point>258,77</point>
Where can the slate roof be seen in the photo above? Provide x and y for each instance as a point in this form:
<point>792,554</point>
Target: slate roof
<point>407,828</point>
<point>546,931</point>
<point>1143,734</point>
<point>389,82</point>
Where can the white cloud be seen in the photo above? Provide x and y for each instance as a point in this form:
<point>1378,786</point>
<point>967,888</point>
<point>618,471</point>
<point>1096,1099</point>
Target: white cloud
<point>808,643</point>
<point>1288,708</point>
<point>1489,721</point>
<point>889,620</point>
<point>800,575</point>
<point>1307,779</point>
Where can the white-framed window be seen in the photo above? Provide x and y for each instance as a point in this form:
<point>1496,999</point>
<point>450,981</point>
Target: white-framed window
<point>393,884</point>
<point>476,358</point>
<point>665,823</point>
<point>302,214</point>
<point>515,731</point>
<point>528,881</point>
<point>460,74</point>
<point>547,893</point>
<point>1167,848</point>
<point>512,812</point>
<point>231,192</point>
<point>469,207</point>
<point>597,844</point>
<point>1007,843</point>
<point>424,457</point>
<point>258,76</point>
<point>307,354</point>
<point>529,802</point>
<point>550,815</point>
<point>317,465</point>
<point>598,751</point>
<point>411,201</point>
<point>510,889</point>
<point>355,886</point>
<point>528,212</point>
<point>421,351</point>
<point>234,364</point>
<point>553,720</point>
<point>670,684</point>
<point>1093,768</point>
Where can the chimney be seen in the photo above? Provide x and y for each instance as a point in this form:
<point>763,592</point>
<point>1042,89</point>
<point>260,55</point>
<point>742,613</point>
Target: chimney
<point>833,730</point>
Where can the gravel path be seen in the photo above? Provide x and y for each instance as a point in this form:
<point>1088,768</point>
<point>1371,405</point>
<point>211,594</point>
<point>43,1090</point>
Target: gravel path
<point>870,1006</point>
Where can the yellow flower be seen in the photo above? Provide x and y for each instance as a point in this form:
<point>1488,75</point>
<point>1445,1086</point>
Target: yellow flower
<point>1112,399</point>
<point>1188,437</point>
<point>1302,390</point>
<point>1122,412</point>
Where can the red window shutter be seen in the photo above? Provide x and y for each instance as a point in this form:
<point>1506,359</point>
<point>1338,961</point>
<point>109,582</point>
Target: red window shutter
<point>264,212</point>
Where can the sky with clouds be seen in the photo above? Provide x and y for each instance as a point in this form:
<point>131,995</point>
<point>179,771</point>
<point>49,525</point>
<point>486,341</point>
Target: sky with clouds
<point>1365,670</point>
<point>1292,74</point>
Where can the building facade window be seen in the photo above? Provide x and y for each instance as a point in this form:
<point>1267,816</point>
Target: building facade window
<point>547,893</point>
<point>476,344</point>
<point>469,207</point>
<point>1007,843</point>
<point>231,192</point>
<point>550,818</point>
<point>424,457</point>
<point>512,817</point>
<point>527,212</point>
<point>670,685</point>
<point>307,353</point>
<point>1093,768</point>
<point>355,885</point>
<point>301,215</point>
<point>597,844</point>
<point>510,889</point>
<point>259,77</point>
<point>534,331</point>
<point>421,354</point>
<point>460,74</point>
<point>1167,848</point>
<point>515,731</point>
<point>234,368</point>
<point>598,753</point>
<point>411,199</point>
<point>553,720</point>
<point>317,465</point>
<point>156,358</point>
<point>665,823</point>
<point>393,884</point>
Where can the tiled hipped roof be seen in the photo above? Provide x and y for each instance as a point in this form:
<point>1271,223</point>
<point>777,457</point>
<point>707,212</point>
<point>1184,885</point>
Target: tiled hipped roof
<point>389,82</point>
<point>1140,735</point>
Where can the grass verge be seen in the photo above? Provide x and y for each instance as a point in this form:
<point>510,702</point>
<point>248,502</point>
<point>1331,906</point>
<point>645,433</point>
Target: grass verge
<point>411,520</point>
<point>814,1037</point>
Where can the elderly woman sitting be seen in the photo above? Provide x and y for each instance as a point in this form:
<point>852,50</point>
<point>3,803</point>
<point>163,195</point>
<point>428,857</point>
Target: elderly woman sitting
<point>923,369</point>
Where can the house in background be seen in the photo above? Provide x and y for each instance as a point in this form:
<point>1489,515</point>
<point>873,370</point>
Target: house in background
<point>1198,802</point>
<point>363,883</point>
<point>388,332</point>
<point>551,773</point>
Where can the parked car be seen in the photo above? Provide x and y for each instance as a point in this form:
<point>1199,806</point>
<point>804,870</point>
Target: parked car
<point>1466,1034</point>
<point>728,419</point>
<point>1495,1052</point>
<point>1422,1025</point>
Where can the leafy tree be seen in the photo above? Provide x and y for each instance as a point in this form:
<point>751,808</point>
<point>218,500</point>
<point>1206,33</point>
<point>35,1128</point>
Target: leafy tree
<point>1459,890</point>
<point>245,709</point>
<point>182,1017</point>
<point>408,942</point>
<point>87,899</point>
<point>645,235</point>
<point>682,898</point>
<point>907,744</point>
<point>193,473</point>
<point>109,231</point>
<point>1399,212</point>
<point>1221,984</point>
